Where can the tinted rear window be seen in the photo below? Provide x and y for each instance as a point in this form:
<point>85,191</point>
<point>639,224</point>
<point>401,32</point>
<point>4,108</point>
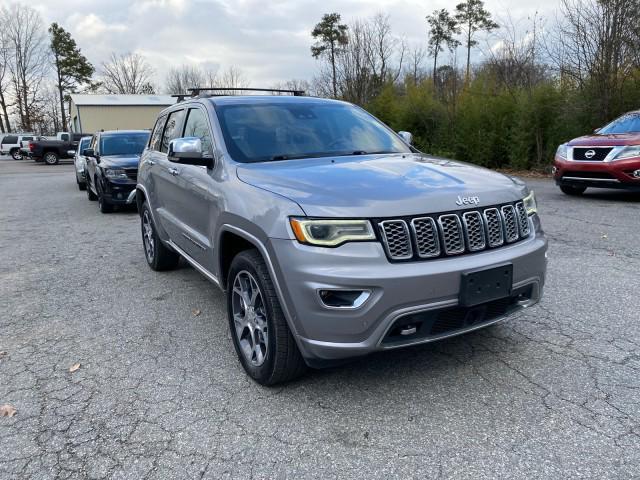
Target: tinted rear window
<point>10,139</point>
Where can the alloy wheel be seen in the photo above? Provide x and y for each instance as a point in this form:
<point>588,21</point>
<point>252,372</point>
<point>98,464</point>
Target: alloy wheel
<point>250,318</point>
<point>147,236</point>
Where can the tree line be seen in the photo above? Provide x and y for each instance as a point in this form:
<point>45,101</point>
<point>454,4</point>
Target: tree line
<point>535,84</point>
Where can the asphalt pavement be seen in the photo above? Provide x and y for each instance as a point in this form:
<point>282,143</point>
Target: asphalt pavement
<point>552,393</point>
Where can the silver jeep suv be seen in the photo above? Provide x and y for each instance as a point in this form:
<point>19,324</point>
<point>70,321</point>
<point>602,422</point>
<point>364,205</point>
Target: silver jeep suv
<point>330,234</point>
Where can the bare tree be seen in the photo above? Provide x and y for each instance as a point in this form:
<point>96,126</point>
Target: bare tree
<point>5,57</point>
<point>127,74</point>
<point>597,45</point>
<point>180,79</point>
<point>28,63</point>
<point>415,68</point>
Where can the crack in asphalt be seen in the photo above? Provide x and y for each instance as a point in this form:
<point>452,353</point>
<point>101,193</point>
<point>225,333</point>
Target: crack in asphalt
<point>549,393</point>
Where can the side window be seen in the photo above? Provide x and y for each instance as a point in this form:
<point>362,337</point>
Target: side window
<point>64,137</point>
<point>172,129</point>
<point>198,126</point>
<point>156,135</point>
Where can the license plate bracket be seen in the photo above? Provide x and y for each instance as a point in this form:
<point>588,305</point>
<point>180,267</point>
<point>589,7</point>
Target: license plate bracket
<point>485,285</point>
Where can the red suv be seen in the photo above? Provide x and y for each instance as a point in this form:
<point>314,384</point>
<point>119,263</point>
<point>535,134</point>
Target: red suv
<point>610,158</point>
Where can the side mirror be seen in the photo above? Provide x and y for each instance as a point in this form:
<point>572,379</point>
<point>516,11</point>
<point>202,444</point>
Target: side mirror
<point>88,152</point>
<point>188,151</point>
<point>407,137</point>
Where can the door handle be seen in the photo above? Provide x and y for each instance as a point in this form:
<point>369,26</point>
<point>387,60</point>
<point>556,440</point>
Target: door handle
<point>150,162</point>
<point>174,171</point>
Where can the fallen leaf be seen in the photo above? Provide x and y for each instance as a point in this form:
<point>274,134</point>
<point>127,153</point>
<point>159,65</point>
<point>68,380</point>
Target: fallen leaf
<point>3,354</point>
<point>74,367</point>
<point>196,312</point>
<point>7,411</point>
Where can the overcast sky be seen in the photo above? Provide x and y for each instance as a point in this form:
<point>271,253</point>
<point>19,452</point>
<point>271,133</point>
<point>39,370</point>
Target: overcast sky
<point>267,39</point>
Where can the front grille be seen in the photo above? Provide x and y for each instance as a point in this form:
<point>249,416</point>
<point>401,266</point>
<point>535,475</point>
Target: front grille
<point>588,154</point>
<point>448,234</point>
<point>132,173</point>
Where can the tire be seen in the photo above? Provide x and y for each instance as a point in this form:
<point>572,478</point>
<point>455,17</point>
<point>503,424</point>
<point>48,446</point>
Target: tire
<point>16,154</point>
<point>81,184</point>
<point>90,195</point>
<point>276,358</point>
<point>573,191</point>
<point>158,255</point>
<point>51,158</point>
<point>103,204</point>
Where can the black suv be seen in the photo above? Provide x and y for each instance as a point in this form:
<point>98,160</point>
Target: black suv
<point>112,167</point>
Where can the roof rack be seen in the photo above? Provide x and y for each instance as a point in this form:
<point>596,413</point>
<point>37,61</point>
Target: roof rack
<point>196,91</point>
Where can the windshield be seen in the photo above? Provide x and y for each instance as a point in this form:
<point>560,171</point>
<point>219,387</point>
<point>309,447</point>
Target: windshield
<point>123,143</point>
<point>284,131</point>
<point>625,124</point>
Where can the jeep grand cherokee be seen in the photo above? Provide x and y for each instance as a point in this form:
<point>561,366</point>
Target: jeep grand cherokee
<point>331,236</point>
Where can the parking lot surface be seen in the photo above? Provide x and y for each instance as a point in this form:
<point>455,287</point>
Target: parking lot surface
<point>553,393</point>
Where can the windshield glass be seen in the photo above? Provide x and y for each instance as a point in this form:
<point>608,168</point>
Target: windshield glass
<point>625,124</point>
<point>123,143</point>
<point>284,131</point>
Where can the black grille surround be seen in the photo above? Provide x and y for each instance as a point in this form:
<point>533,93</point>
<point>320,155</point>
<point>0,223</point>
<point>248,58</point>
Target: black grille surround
<point>447,234</point>
<point>132,173</point>
<point>591,154</point>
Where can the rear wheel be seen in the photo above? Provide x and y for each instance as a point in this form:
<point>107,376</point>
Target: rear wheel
<point>16,154</point>
<point>51,158</point>
<point>159,257</point>
<point>573,191</point>
<point>262,339</point>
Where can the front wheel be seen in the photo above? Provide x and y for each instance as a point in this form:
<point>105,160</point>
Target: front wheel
<point>103,203</point>
<point>16,154</point>
<point>158,256</point>
<point>51,158</point>
<point>573,191</point>
<point>261,337</point>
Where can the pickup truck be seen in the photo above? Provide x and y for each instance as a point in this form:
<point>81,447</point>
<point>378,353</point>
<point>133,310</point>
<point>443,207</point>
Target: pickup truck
<point>51,151</point>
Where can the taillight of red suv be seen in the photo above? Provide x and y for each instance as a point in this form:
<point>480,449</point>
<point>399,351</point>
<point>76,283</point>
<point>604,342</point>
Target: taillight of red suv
<point>32,146</point>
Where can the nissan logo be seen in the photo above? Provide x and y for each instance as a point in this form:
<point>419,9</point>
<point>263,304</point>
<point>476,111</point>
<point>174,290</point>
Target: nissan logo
<point>589,154</point>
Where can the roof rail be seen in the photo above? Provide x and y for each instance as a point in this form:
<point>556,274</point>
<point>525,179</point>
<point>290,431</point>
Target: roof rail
<point>196,91</point>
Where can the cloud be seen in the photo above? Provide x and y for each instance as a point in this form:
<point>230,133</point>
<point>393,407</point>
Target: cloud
<point>268,40</point>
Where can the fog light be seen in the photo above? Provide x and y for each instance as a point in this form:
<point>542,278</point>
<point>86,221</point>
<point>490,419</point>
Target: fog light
<point>636,174</point>
<point>553,170</point>
<point>343,298</point>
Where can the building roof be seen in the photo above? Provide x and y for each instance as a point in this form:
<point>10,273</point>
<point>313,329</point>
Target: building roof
<point>122,100</point>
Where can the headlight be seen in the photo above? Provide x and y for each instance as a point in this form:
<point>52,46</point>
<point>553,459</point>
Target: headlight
<point>629,152</point>
<point>331,233</point>
<point>562,151</point>
<point>530,204</point>
<point>115,173</point>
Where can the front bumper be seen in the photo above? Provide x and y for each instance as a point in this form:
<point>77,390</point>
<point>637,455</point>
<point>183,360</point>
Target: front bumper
<point>614,174</point>
<point>397,292</point>
<point>120,192</point>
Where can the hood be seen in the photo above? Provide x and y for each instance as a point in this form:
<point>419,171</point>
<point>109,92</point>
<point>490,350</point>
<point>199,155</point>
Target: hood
<point>612,140</point>
<point>119,161</point>
<point>381,185</point>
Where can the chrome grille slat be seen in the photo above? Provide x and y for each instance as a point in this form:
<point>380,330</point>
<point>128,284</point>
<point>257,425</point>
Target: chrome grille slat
<point>425,234</point>
<point>396,238</point>
<point>510,223</point>
<point>523,219</point>
<point>495,231</point>
<point>452,236</point>
<point>454,233</point>
<point>474,231</point>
